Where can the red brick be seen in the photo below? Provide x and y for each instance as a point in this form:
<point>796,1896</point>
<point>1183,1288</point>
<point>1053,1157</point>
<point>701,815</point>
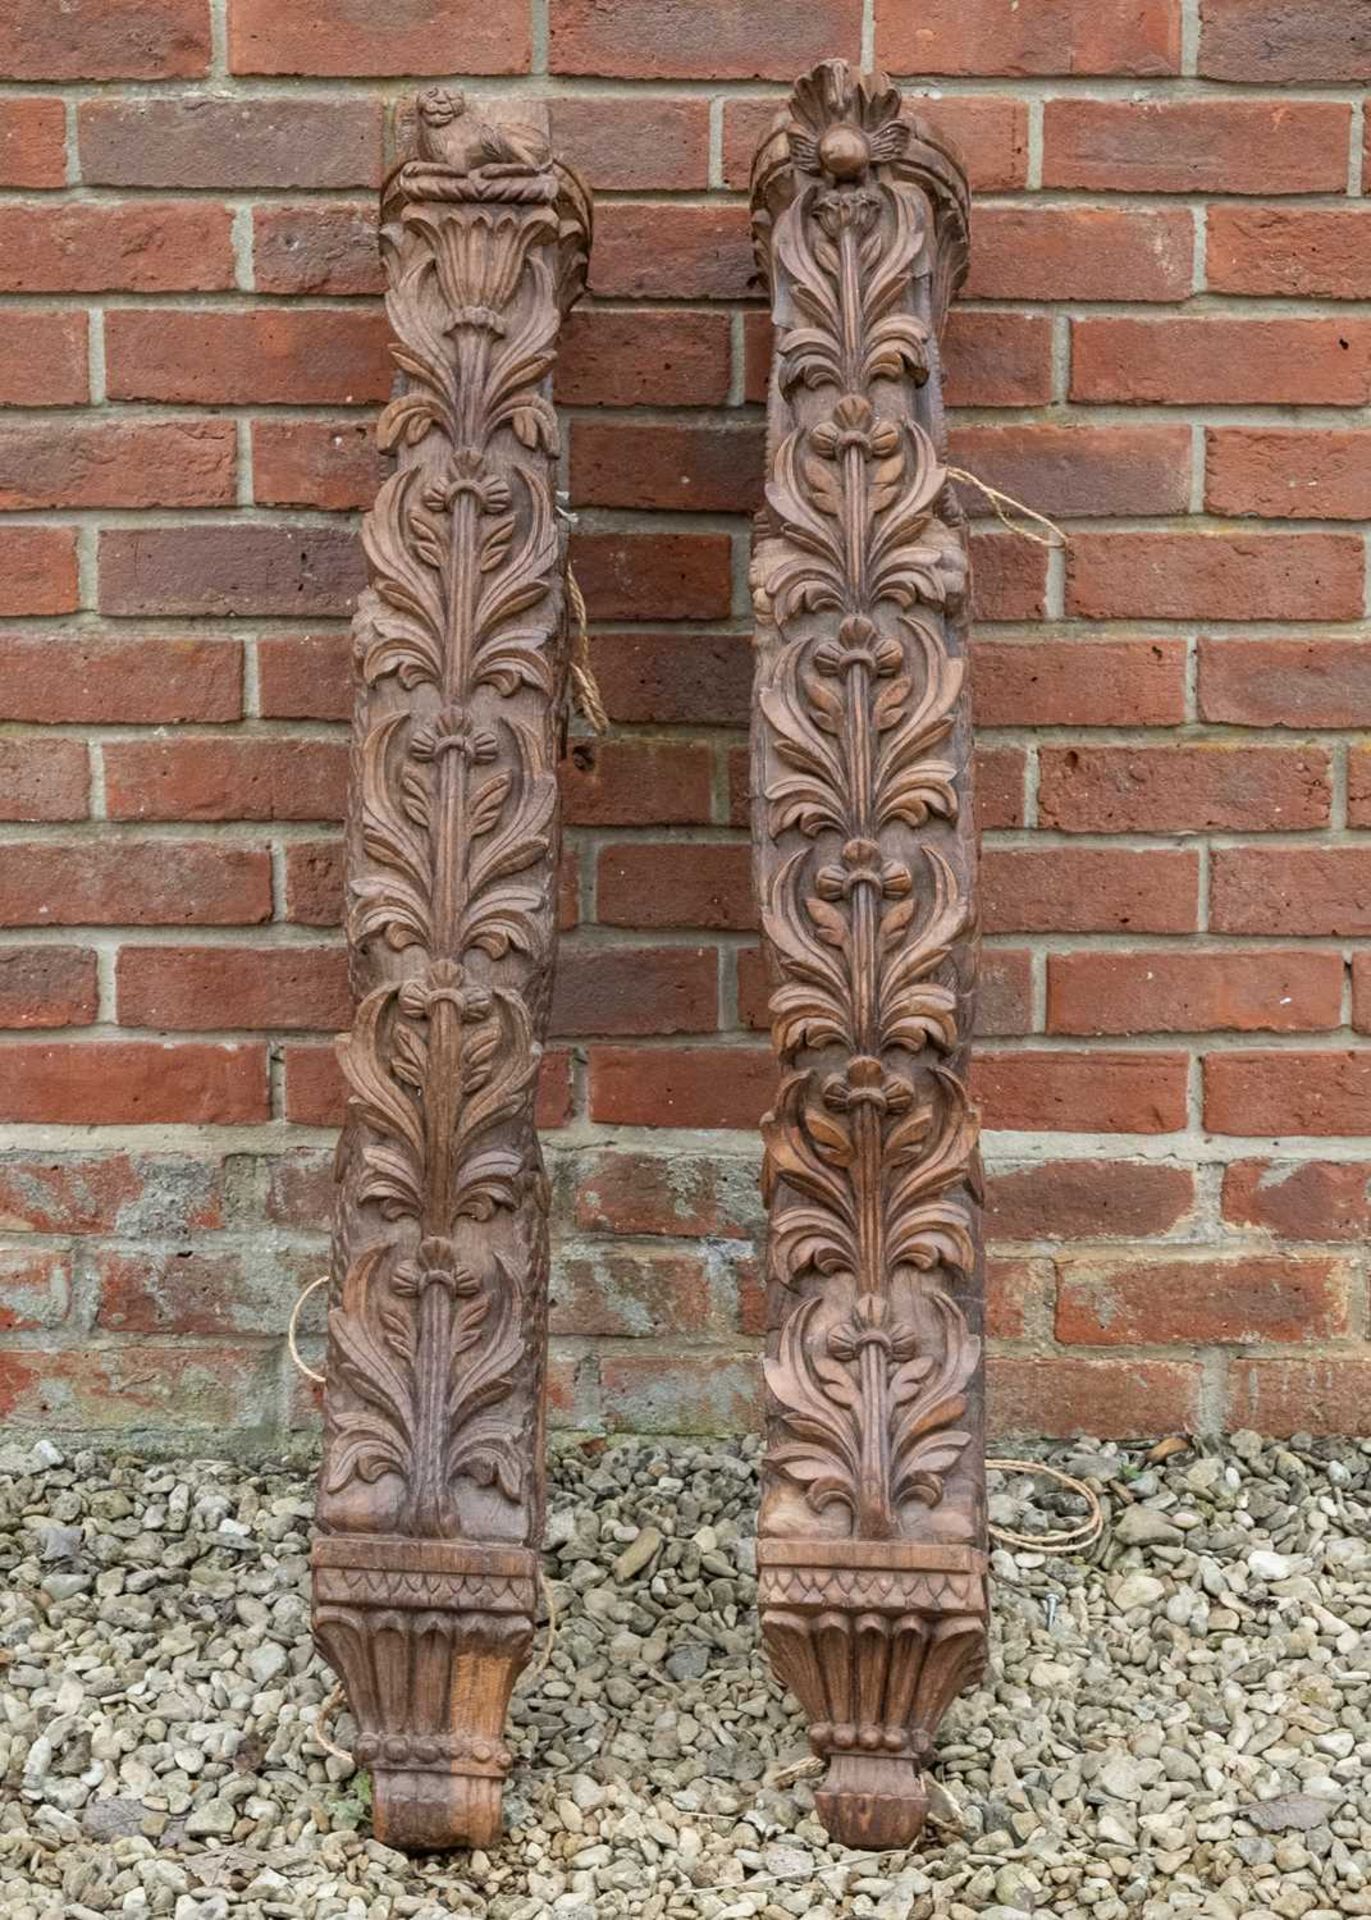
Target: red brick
<point>999,787</point>
<point>250,140</point>
<point>648,576</point>
<point>212,1389</point>
<point>1004,991</point>
<point>47,986</point>
<point>204,989</point>
<point>614,1292</point>
<point>43,358</point>
<point>142,246</point>
<point>637,783</point>
<point>110,1192</point>
<point>38,570</point>
<point>297,356</point>
<point>317,247</point>
<point>300,1188</point>
<point>193,1291</point>
<point>35,1288</point>
<point>305,676</point>
<point>1082,253</point>
<point>220,777</point>
<point>1089,471</point>
<point>694,39</point>
<point>328,464</point>
<point>33,142</point>
<point>1078,683</point>
<point>1359,786</point>
<point>681,1195</point>
<point>1171,991</point>
<point>1288,473</point>
<point>1089,890</point>
<point>1113,1399</point>
<point>680,1391</point>
<point>1212,360</point>
<point>1291,890</point>
<point>1115,1300</point>
<point>1014,1295</point>
<point>681,1087</point>
<point>1302,253</point>
<point>119,882</point>
<point>314,883</point>
<point>657,357</point>
<point>1300,1199</point>
<point>242,568</point>
<point>114,463</point>
<point>1008,577</point>
<point>1081,1092</point>
<point>1286,683</point>
<point>674,679</point>
<point>656,250</point>
<point>997,359</point>
<point>989,132</point>
<point>635,990</point>
<point>671,884</point>
<point>92,40</point>
<point>1054,36</point>
<point>629,144</point>
<point>1279,1091</point>
<point>132,1083</point>
<point>1323,1395</point>
<point>1215,576</point>
<point>1361,992</point>
<point>1275,40</point>
<point>1087,1200</point>
<point>43,779</point>
<point>316,1093</point>
<point>75,677</point>
<point>708,466</point>
<point>1183,788</point>
<point>1196,146</point>
<point>409,37</point>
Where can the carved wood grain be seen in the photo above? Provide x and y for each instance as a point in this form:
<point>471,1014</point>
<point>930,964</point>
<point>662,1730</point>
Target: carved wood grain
<point>871,1557</point>
<point>431,1492</point>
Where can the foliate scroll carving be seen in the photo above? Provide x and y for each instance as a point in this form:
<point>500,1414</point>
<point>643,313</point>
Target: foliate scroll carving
<point>431,1497</point>
<point>865,863</point>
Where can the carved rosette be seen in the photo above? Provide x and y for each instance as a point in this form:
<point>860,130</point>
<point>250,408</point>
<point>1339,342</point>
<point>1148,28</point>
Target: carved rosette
<point>871,1558</point>
<point>431,1491</point>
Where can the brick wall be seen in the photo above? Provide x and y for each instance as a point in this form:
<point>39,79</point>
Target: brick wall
<point>1166,344</point>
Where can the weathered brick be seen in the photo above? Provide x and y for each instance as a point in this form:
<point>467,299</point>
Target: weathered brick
<point>222,777</point>
<point>691,39</point>
<point>1183,788</point>
<point>632,143</point>
<point>110,1192</point>
<point>1170,991</point>
<point>1301,253</point>
<point>1119,1398</point>
<point>133,1083</point>
<point>316,247</point>
<point>1067,36</point>
<point>1291,890</point>
<point>1361,992</point>
<point>637,783</point>
<point>333,465</point>
<point>1215,576</point>
<point>314,883</point>
<point>114,463</point>
<point>1087,1199</point>
<point>1215,360</point>
<point>76,677</point>
<point>43,779</point>
<point>1093,1091</point>
<point>249,140</point>
<point>614,1292</point>
<point>1089,471</point>
<point>1081,253</point>
<point>194,1291</point>
<point>1004,991</point>
<point>47,986</point>
<point>658,357</point>
<point>1008,577</point>
<point>680,1087</point>
<point>1271,1092</point>
<point>646,576</point>
<point>121,882</point>
<point>706,466</point>
<point>655,250</point>
<point>205,989</point>
<point>33,142</point>
<point>1277,40</point>
<point>1130,1300</point>
<point>1286,683</point>
<point>238,568</point>
<point>1078,683</point>
<point>1323,1395</point>
<point>38,570</point>
<point>1300,1199</point>
<point>1089,890</point>
<point>297,356</point>
<point>213,1388</point>
<point>44,358</point>
<point>1015,1291</point>
<point>35,1288</point>
<point>671,884</point>
<point>92,40</point>
<point>141,246</point>
<point>1196,146</point>
<point>680,1391</point>
<point>1359,785</point>
<point>683,1195</point>
<point>634,990</point>
<point>412,36</point>
<point>676,679</point>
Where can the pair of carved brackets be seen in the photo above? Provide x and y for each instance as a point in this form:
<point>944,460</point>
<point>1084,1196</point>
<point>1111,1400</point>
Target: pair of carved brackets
<point>431,1491</point>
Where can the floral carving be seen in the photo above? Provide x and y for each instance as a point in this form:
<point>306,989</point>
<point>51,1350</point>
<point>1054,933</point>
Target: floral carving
<point>865,870</point>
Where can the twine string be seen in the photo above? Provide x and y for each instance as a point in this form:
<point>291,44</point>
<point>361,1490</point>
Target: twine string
<point>309,1372</point>
<point>1075,1536</point>
<point>584,684</point>
<point>1055,537</point>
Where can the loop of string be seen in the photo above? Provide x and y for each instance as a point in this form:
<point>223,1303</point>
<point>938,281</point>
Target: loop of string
<point>1075,1536</point>
<point>586,687</point>
<point>1055,536</point>
<point>309,1372</point>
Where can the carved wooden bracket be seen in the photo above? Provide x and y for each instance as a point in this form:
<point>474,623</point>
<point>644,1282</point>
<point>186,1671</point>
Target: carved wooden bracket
<point>431,1493</point>
<point>872,1552</point>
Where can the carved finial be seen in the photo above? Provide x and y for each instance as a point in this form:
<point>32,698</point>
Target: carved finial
<point>841,125</point>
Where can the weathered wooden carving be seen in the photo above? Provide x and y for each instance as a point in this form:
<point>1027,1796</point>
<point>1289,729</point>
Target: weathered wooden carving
<point>872,1550</point>
<point>431,1492</point>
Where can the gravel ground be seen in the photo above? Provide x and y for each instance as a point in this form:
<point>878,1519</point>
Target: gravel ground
<point>1178,1723</point>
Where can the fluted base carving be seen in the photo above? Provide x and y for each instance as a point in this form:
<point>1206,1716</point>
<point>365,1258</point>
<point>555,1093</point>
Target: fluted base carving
<point>875,1638</point>
<point>428,1637</point>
